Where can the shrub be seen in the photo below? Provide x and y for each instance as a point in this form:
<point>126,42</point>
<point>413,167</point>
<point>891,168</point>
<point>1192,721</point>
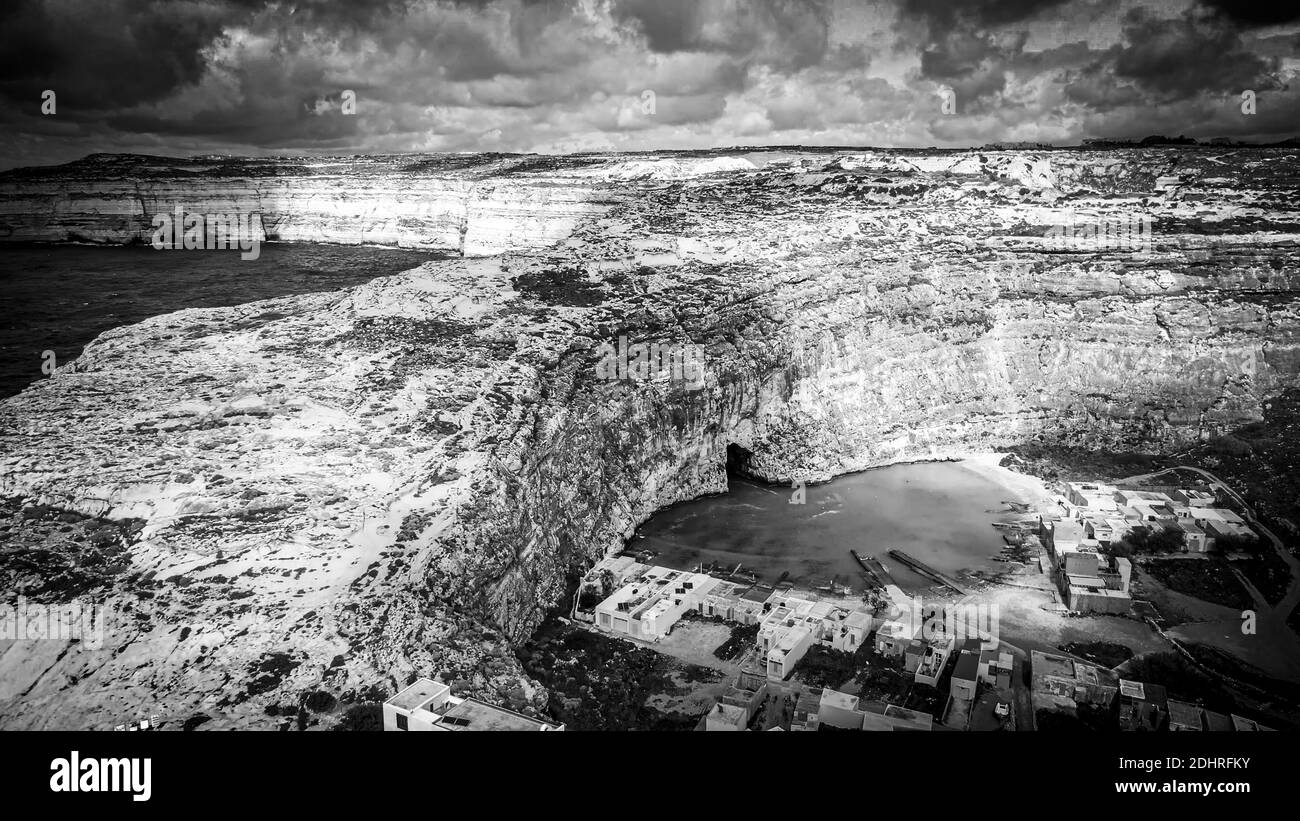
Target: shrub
<point>367,717</point>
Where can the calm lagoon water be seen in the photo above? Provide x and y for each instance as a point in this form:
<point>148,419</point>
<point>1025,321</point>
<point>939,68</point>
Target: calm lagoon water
<point>59,297</point>
<point>938,512</point>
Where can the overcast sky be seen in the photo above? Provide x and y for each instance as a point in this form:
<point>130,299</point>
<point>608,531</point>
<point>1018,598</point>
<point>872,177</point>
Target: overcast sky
<point>255,77</point>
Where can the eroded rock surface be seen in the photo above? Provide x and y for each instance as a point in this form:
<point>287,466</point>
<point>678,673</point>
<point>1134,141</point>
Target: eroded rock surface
<point>342,489</point>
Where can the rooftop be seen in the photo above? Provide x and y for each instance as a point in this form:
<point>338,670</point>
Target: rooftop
<point>1141,691</point>
<point>1180,712</point>
<point>968,665</point>
<point>1217,722</point>
<point>472,714</point>
<point>418,694</point>
<point>789,639</point>
<point>834,698</point>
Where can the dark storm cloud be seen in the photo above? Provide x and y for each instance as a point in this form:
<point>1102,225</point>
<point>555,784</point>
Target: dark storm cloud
<point>1194,54</point>
<point>791,33</point>
<point>668,25</point>
<point>946,13</point>
<point>1163,61</point>
<point>1249,14</point>
<point>972,47</point>
<point>119,53</point>
<point>973,65</point>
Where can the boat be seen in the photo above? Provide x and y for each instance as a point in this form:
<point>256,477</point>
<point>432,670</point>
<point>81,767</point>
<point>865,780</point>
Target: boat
<point>926,570</point>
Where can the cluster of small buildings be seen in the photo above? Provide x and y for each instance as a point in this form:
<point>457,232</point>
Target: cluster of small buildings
<point>924,653</point>
<point>429,705</point>
<point>795,621</point>
<point>1108,513</point>
<point>977,663</point>
<point>848,712</point>
<point>812,708</point>
<point>1096,515</point>
<point>1063,684</point>
<point>648,600</point>
<point>1091,581</point>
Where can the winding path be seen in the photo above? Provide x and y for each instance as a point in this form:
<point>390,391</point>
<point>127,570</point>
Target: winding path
<point>1271,619</point>
<point>1289,601</point>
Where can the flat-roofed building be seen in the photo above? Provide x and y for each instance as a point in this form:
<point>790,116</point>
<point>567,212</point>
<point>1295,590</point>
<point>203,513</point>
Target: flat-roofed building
<point>1147,513</point>
<point>647,606</point>
<point>966,673</point>
<point>1142,706</point>
<point>1065,535</point>
<point>1100,530</point>
<point>838,709</point>
<point>932,662</point>
<point>1062,683</point>
<point>849,712</point>
<point>1102,593</point>
<point>1119,528</point>
<point>806,706</point>
<point>1193,498</point>
<point>1185,717</point>
<point>722,600</point>
<point>913,653</point>
<point>742,696</point>
<point>1079,562</point>
<point>878,717</point>
<point>1217,722</point>
<point>429,705</point>
<point>1244,725</point>
<point>786,652</point>
<point>845,630</point>
<point>1195,539</point>
<point>893,637</point>
<point>1092,495</point>
<point>1221,522</point>
<point>1221,514</point>
<point>726,718</point>
<point>1129,498</point>
<point>995,668</point>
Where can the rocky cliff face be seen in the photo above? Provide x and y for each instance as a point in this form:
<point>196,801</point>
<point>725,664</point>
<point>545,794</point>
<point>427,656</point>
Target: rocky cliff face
<point>477,206</point>
<point>342,489</point>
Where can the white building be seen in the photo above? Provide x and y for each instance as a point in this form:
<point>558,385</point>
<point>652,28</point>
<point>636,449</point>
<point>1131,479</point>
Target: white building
<point>892,637</point>
<point>427,705</point>
<point>726,718</point>
<point>1094,496</point>
<point>1220,522</point>
<point>648,605</point>
<point>1129,498</point>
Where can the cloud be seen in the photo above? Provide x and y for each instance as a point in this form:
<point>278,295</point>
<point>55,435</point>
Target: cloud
<point>979,13</point>
<point>1168,57</point>
<point>263,76</point>
<point>1254,14</point>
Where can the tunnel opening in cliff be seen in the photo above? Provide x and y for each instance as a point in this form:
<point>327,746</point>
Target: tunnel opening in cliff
<point>739,461</point>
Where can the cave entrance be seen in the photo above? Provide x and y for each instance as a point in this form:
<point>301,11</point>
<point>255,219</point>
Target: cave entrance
<point>738,461</point>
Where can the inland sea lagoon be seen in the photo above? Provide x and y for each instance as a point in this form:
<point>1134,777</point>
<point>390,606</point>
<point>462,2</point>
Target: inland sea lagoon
<point>939,512</point>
